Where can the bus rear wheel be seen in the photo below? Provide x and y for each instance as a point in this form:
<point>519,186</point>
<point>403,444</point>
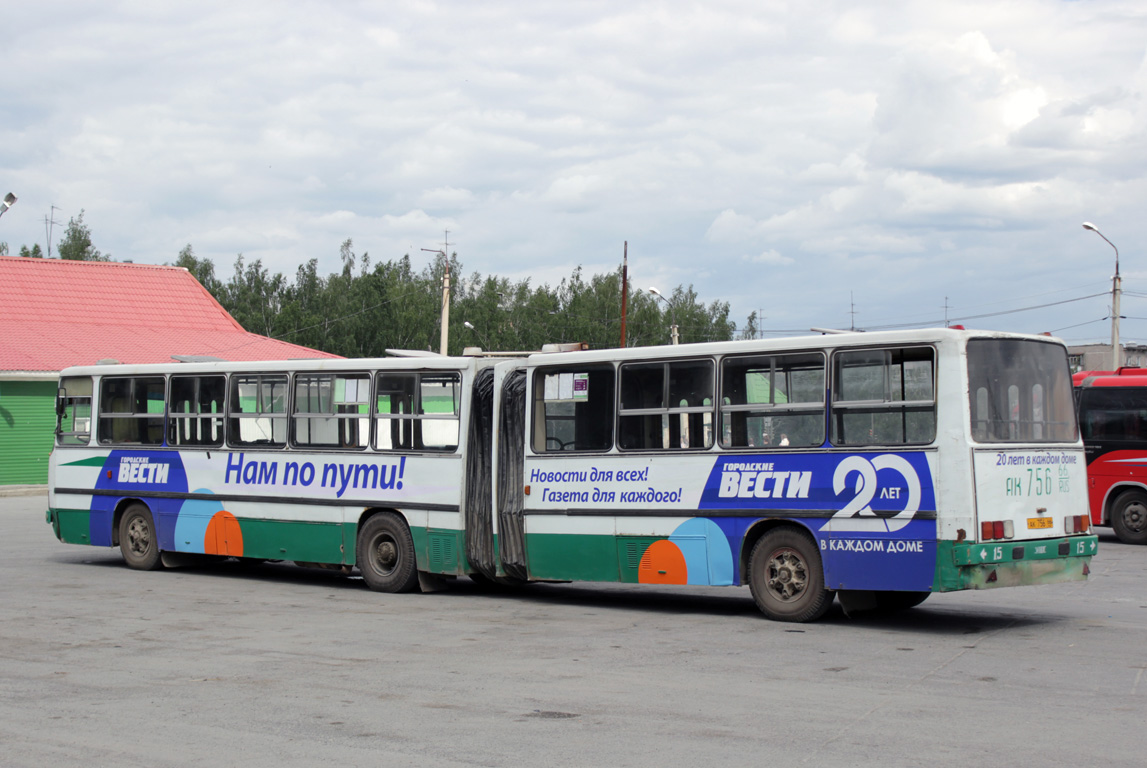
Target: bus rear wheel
<point>1129,517</point>
<point>385,554</point>
<point>786,577</point>
<point>137,538</point>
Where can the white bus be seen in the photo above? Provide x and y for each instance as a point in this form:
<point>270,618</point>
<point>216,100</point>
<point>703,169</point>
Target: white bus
<point>876,468</point>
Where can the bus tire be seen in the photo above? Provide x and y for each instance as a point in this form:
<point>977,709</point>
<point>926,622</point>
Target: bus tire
<point>385,554</point>
<point>138,539</point>
<point>786,577</point>
<point>1129,517</point>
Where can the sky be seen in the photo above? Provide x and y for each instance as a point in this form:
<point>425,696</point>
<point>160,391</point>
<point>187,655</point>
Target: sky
<point>825,164</point>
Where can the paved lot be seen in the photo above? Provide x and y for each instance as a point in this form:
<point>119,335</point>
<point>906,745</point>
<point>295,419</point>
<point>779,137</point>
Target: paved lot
<point>276,665</point>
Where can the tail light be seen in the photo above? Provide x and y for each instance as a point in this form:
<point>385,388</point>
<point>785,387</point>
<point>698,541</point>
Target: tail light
<point>998,529</point>
<point>1076,524</point>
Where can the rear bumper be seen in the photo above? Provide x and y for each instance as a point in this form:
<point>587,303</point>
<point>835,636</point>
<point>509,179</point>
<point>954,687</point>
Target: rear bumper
<point>1014,563</point>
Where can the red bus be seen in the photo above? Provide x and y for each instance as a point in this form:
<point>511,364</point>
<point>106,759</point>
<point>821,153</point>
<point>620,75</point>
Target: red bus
<point>1113,419</point>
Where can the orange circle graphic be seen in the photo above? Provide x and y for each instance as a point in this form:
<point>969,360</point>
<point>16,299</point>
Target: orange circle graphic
<point>224,536</point>
<point>663,563</point>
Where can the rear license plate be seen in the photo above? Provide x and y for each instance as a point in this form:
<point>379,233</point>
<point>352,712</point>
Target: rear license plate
<point>1039,522</point>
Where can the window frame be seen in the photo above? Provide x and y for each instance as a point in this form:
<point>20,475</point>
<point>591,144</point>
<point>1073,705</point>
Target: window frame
<point>295,415</point>
<point>173,416</point>
<point>772,409</point>
<point>667,410</point>
<point>416,417</point>
<point>538,413</point>
<point>838,409</point>
<point>109,417</point>
<point>234,417</point>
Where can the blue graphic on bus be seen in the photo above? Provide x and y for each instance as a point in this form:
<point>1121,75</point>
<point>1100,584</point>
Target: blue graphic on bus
<point>131,472</point>
<point>845,484</point>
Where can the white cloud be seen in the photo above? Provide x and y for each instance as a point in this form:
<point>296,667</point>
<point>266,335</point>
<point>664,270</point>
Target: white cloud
<point>899,154</point>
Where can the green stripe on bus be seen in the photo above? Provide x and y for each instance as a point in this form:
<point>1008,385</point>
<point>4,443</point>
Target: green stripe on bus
<point>73,526</point>
<point>301,541</point>
<point>95,461</point>
<point>572,557</point>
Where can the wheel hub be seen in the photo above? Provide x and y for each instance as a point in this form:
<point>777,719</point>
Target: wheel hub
<point>786,576</point>
<point>386,554</point>
<point>138,536</point>
<point>1135,517</point>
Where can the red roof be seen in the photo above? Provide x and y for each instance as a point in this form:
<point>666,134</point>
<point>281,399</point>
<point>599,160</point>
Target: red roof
<point>56,313</point>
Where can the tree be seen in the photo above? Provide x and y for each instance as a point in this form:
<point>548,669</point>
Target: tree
<point>33,253</point>
<point>76,244</point>
<point>3,249</point>
<point>202,270</point>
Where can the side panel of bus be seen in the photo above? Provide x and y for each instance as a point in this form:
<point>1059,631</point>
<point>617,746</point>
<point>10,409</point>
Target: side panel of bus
<point>296,506</point>
<point>684,519</point>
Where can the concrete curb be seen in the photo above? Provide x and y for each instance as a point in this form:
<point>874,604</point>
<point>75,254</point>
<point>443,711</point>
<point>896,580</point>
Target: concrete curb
<point>23,490</point>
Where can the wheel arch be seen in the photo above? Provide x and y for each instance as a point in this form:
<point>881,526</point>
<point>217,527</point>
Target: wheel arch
<point>117,515</point>
<point>757,530</point>
<point>1113,494</point>
<point>366,515</point>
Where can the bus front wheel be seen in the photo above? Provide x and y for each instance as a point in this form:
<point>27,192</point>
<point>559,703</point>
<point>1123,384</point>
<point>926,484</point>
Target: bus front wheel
<point>385,554</point>
<point>786,577</point>
<point>1129,517</point>
<point>137,538</point>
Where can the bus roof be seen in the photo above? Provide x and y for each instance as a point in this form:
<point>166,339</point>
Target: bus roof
<point>1124,377</point>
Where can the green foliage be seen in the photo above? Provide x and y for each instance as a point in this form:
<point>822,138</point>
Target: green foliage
<point>76,244</point>
<point>363,310</point>
<point>31,253</point>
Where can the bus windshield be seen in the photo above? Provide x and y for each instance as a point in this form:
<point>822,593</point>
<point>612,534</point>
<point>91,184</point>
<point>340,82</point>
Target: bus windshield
<point>1020,391</point>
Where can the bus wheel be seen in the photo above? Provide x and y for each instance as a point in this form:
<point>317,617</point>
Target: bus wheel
<point>1129,517</point>
<point>786,578</point>
<point>137,538</point>
<point>385,554</point>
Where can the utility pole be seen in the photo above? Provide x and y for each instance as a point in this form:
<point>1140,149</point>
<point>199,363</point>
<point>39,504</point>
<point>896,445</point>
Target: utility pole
<point>445,293</point>
<point>49,222</point>
<point>624,287</point>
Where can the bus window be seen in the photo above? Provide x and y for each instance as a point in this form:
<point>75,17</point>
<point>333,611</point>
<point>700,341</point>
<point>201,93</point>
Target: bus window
<point>573,409</point>
<point>258,410</point>
<point>331,410</point>
<point>1021,391</point>
<point>666,406</point>
<point>195,410</point>
<point>775,401</point>
<point>884,397</point>
<point>417,411</point>
<point>74,411</point>
<point>131,410</point>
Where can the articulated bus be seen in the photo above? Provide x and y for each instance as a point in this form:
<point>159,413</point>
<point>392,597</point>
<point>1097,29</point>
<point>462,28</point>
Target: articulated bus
<point>1113,418</point>
<point>872,468</point>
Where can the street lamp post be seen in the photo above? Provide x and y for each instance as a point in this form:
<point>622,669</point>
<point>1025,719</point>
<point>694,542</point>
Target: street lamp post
<point>672,315</point>
<point>9,200</point>
<point>1116,291</point>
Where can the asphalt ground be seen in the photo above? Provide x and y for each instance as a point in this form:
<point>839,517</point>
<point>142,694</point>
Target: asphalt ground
<point>277,665</point>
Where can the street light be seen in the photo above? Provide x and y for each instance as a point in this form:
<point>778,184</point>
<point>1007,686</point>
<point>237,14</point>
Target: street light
<point>1116,290</point>
<point>481,337</point>
<point>445,299</point>
<point>9,199</point>
<point>672,314</point>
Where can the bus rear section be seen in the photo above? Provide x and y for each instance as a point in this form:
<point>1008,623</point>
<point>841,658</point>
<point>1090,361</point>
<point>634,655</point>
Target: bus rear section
<point>1031,524</point>
<point>1113,419</point>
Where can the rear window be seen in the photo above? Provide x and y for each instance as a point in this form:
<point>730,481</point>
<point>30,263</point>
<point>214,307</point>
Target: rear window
<point>1020,392</point>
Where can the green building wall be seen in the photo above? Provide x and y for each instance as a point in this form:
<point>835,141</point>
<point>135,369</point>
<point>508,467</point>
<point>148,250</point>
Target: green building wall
<point>27,421</point>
